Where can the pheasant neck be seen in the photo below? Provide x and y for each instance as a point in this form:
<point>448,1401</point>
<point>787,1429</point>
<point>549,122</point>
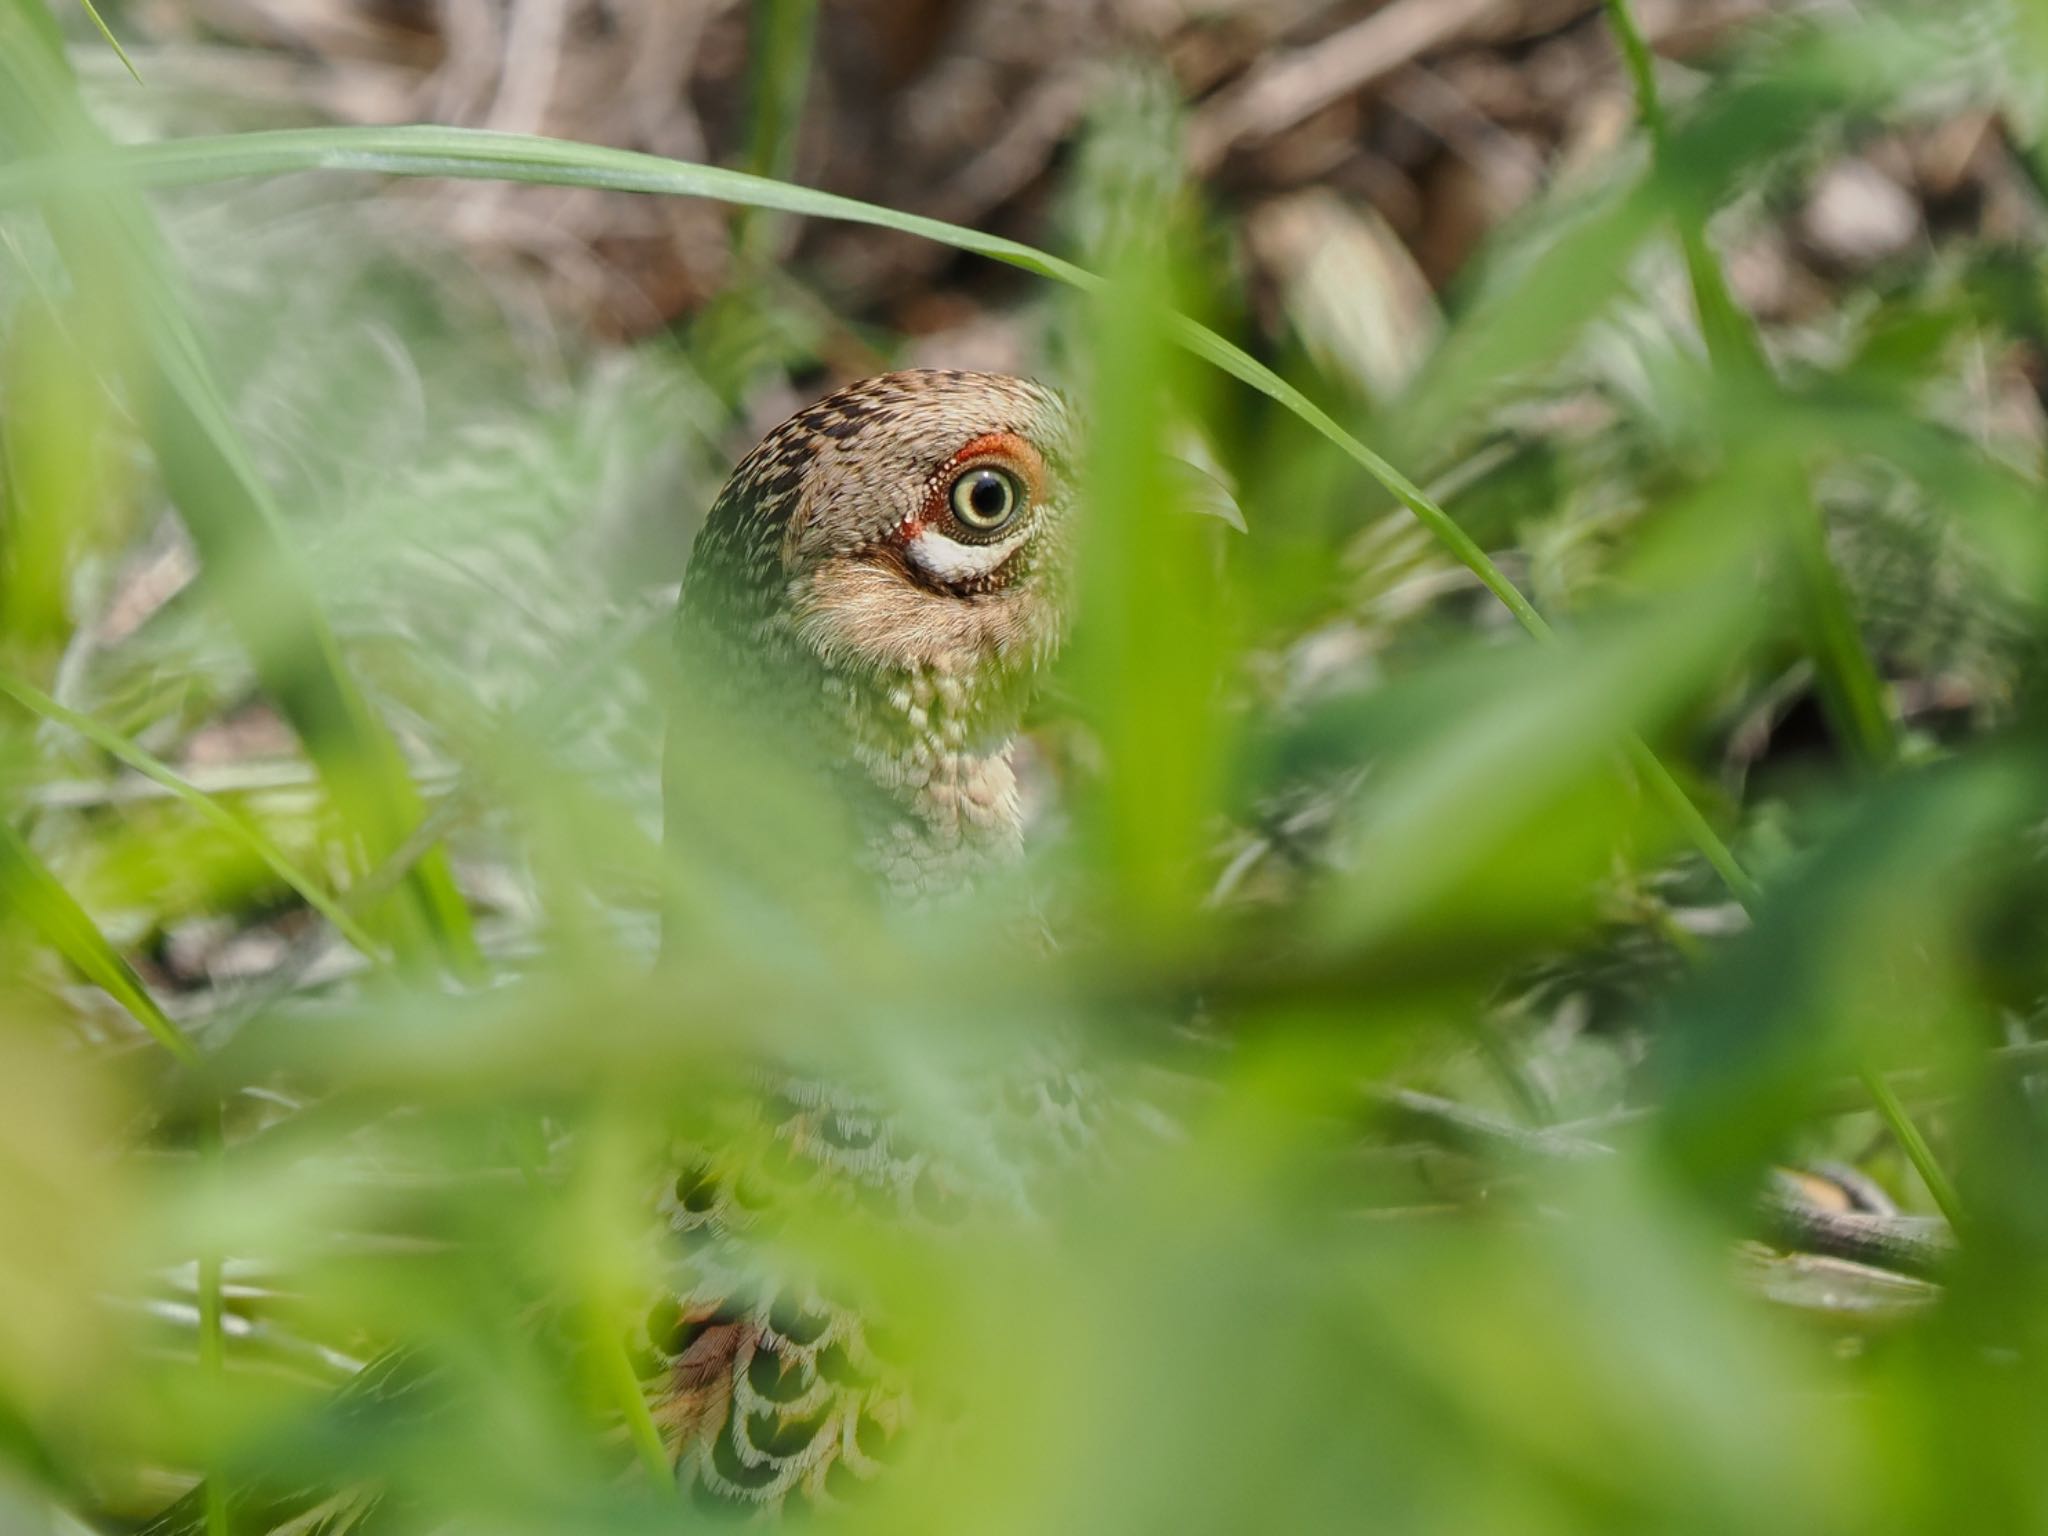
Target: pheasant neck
<point>937,744</point>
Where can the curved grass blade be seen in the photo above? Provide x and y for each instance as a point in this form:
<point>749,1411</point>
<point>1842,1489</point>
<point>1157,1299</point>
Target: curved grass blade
<point>115,745</point>
<point>477,154</point>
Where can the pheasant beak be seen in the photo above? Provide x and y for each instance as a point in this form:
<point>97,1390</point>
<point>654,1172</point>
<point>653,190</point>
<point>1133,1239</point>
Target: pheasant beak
<point>1199,487</point>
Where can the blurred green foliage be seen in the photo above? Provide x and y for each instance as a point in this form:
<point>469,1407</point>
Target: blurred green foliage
<point>1330,825</point>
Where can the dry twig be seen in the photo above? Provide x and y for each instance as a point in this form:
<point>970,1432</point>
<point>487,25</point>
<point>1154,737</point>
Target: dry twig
<point>1290,87</point>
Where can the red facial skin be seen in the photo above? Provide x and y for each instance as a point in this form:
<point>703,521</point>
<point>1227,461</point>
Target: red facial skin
<point>1005,450</point>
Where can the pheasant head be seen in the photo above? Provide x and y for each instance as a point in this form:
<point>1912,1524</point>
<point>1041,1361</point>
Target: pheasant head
<point>884,577</point>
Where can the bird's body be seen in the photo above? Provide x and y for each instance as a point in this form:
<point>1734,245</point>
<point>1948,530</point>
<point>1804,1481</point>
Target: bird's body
<point>868,604</point>
<point>871,599</point>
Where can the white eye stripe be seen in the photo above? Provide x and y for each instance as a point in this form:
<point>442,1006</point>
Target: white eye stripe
<point>950,560</point>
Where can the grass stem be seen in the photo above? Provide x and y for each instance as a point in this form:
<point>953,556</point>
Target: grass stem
<point>212,1319</point>
<point>1896,1117</point>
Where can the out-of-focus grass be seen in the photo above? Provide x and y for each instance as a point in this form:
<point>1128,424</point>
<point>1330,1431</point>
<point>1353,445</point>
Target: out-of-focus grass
<point>109,244</point>
<point>1445,869</point>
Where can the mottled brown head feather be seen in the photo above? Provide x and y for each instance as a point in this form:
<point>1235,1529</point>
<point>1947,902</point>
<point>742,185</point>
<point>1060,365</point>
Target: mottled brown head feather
<point>811,525</point>
<point>840,574</point>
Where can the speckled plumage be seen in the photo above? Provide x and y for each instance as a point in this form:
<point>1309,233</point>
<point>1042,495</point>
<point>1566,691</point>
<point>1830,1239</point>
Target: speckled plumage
<point>829,614</point>
<point>801,602</point>
<point>836,609</point>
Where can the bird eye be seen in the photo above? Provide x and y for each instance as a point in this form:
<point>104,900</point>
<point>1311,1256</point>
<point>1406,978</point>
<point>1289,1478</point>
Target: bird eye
<point>987,498</point>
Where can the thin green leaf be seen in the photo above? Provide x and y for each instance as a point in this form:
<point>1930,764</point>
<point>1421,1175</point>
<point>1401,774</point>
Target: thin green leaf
<point>28,887</point>
<point>1892,1110</point>
<point>113,743</point>
<point>112,41</point>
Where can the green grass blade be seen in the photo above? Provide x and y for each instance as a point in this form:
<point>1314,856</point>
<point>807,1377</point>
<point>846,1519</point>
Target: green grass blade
<point>1892,1110</point>
<point>28,887</point>
<point>1731,340</point>
<point>108,239</point>
<point>780,45</point>
<point>1850,682</point>
<point>213,1311</point>
<point>1849,678</point>
<point>112,41</point>
<point>630,1398</point>
<point>478,154</point>
<point>117,746</point>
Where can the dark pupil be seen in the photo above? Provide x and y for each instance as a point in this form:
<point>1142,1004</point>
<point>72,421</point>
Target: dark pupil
<point>989,496</point>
